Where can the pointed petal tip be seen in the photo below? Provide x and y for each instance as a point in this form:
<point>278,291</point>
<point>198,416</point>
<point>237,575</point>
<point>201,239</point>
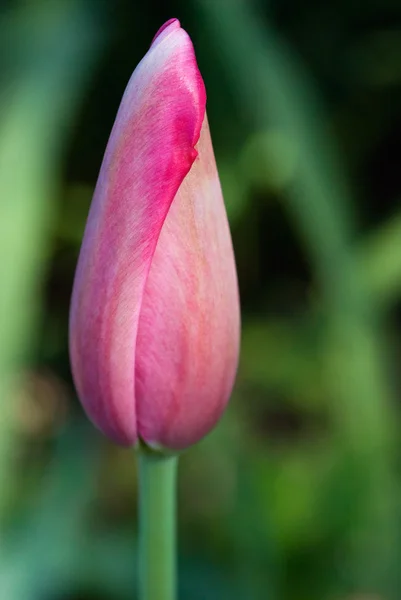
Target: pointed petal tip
<point>166,28</point>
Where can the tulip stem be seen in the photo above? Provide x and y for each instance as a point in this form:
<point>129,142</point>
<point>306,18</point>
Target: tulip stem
<point>157,536</point>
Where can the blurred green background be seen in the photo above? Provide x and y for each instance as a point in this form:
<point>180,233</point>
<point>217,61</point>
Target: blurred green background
<point>297,494</point>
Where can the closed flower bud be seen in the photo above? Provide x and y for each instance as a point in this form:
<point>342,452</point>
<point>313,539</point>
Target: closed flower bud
<point>154,322</point>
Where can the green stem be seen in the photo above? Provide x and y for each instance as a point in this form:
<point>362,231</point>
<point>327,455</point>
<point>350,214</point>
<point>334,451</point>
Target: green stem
<point>157,553</point>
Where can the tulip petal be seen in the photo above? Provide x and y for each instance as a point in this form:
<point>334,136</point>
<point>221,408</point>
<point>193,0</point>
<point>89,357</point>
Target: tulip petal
<point>149,153</point>
<point>188,337</point>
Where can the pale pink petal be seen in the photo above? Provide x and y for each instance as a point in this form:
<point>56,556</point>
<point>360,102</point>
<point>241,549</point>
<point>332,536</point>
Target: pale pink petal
<point>188,337</point>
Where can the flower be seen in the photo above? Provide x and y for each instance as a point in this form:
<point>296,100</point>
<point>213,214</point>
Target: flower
<point>154,321</point>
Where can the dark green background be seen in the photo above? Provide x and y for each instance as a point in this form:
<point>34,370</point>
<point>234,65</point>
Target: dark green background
<point>296,495</point>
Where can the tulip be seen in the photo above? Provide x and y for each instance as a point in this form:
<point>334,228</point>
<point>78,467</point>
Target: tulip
<point>154,322</point>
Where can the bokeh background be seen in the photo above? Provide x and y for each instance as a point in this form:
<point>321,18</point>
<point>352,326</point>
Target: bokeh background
<point>297,494</point>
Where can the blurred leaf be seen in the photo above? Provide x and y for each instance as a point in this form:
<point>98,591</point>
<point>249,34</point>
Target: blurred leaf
<point>51,47</point>
<point>380,262</point>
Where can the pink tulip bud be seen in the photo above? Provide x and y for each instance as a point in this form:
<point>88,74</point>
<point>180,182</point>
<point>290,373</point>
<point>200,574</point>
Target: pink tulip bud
<point>154,324</point>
